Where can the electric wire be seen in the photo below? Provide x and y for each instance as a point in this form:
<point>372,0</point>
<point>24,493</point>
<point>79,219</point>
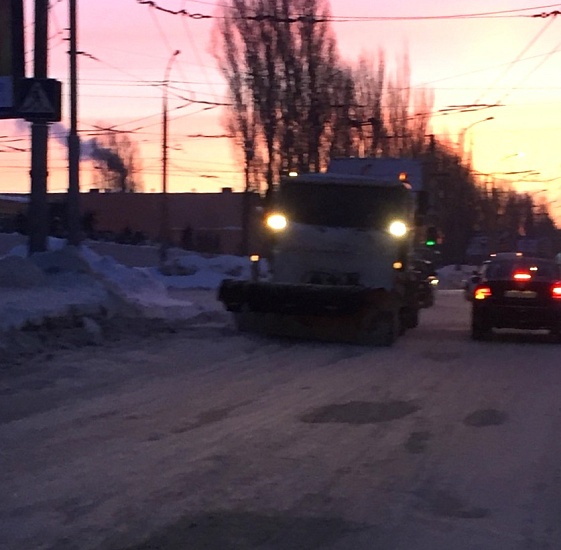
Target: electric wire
<point>531,72</point>
<point>519,12</point>
<point>151,83</point>
<point>216,104</point>
<point>165,40</point>
<point>518,57</point>
<point>195,51</point>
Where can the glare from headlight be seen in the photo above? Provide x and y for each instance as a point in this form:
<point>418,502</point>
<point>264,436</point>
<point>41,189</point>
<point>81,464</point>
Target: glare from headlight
<point>276,222</point>
<point>398,228</point>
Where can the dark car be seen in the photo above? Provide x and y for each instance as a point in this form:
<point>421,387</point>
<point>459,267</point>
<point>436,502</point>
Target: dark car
<point>517,292</point>
<point>473,280</point>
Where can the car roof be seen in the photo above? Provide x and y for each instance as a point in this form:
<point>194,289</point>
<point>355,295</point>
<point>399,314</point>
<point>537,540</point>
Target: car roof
<point>519,258</point>
<point>502,268</point>
<point>505,255</point>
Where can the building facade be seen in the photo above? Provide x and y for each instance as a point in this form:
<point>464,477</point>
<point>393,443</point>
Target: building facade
<point>206,222</point>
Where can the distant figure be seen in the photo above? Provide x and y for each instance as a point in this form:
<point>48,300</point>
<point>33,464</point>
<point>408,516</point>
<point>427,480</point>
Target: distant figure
<point>187,238</point>
<point>21,224</point>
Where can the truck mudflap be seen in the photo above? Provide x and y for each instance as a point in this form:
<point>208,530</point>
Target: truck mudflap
<point>319,312</point>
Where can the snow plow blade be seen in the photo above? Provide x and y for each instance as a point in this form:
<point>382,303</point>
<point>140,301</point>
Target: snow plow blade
<point>333,313</point>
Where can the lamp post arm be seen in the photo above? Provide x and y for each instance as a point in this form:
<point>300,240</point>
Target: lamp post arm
<point>464,131</point>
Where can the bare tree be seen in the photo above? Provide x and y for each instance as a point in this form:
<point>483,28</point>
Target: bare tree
<point>279,59</point>
<point>367,110</point>
<point>236,47</point>
<point>319,58</point>
<point>341,126</point>
<point>410,111</point>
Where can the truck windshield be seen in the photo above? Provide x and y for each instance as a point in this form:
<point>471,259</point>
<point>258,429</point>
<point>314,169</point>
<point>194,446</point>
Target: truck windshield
<point>356,206</point>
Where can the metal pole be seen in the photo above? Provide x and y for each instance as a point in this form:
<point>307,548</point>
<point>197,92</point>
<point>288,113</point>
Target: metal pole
<point>164,229</point>
<point>244,248</point>
<point>38,206</point>
<point>74,236</point>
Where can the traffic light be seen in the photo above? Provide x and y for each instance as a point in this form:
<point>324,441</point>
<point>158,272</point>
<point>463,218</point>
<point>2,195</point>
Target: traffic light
<point>431,236</point>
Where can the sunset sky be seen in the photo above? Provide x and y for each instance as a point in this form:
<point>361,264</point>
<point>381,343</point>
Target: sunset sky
<point>507,59</point>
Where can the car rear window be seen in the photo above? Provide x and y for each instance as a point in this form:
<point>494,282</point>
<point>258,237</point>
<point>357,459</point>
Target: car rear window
<point>505,269</point>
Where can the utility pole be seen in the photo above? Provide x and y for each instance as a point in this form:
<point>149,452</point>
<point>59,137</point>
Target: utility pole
<point>73,201</point>
<point>38,207</point>
<point>164,219</point>
<point>249,154</point>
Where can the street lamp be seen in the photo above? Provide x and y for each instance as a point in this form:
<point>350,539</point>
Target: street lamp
<point>464,131</point>
<point>164,229</point>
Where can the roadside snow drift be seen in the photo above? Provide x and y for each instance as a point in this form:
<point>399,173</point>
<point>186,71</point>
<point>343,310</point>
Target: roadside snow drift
<point>78,281</point>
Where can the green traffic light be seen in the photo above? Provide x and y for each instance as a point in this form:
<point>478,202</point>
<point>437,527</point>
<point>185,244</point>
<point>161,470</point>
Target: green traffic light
<point>430,243</point>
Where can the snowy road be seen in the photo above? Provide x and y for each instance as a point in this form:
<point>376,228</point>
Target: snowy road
<point>210,439</point>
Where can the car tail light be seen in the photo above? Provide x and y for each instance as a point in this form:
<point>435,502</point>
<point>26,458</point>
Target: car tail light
<point>482,292</point>
<point>556,291</point>
<point>521,276</point>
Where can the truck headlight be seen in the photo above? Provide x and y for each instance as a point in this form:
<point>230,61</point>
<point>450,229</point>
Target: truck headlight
<point>397,228</point>
<point>276,221</point>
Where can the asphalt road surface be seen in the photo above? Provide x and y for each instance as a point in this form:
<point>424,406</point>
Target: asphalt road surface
<point>203,438</point>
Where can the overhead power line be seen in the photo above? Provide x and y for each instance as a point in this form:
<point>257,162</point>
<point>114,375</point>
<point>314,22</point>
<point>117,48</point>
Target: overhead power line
<point>518,58</point>
<point>174,12</point>
<point>550,14</point>
<point>504,14</point>
<point>195,50</point>
<point>258,17</point>
<point>307,18</point>
<point>214,136</point>
<point>157,84</point>
<point>533,70</point>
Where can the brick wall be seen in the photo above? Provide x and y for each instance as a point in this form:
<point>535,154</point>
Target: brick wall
<point>211,221</point>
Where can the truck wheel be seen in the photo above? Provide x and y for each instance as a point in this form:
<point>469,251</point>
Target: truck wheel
<point>244,319</point>
<point>241,321</point>
<point>389,328</point>
<point>429,302</point>
<point>409,317</point>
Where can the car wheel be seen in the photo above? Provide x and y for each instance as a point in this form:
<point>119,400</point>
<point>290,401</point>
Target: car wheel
<point>480,327</point>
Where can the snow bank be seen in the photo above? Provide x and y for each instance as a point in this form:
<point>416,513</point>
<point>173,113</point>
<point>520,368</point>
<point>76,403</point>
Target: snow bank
<point>452,277</point>
<point>78,281</point>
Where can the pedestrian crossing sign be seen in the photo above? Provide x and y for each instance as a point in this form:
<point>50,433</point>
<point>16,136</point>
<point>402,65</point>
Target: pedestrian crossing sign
<point>40,100</point>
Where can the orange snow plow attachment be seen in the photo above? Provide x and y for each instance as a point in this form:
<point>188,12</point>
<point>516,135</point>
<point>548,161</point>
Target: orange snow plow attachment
<point>335,313</point>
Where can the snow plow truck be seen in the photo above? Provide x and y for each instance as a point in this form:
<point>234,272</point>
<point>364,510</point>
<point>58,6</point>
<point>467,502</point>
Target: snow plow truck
<point>340,266</point>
